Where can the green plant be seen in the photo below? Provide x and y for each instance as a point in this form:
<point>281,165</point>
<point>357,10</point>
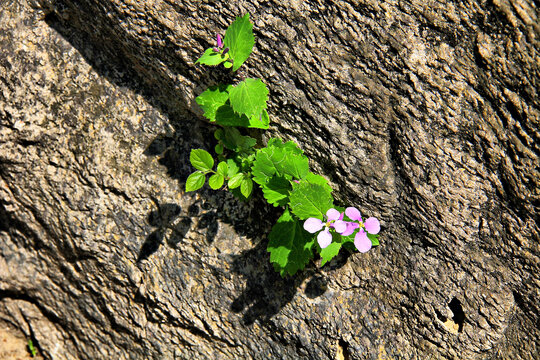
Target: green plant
<point>31,348</point>
<point>280,169</point>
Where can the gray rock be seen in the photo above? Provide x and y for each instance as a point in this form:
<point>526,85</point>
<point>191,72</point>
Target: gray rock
<point>426,116</point>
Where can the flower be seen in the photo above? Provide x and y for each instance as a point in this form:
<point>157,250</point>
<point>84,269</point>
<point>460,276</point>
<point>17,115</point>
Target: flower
<point>370,226</point>
<point>334,220</point>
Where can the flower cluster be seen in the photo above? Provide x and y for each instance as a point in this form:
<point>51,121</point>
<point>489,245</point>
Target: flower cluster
<point>334,221</point>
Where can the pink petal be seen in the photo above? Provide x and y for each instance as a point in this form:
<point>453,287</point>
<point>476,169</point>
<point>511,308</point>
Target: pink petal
<point>353,213</point>
<point>324,238</point>
<point>219,41</point>
<point>350,228</point>
<point>332,214</point>
<point>340,226</point>
<point>362,242</point>
<point>313,225</point>
<point>372,225</point>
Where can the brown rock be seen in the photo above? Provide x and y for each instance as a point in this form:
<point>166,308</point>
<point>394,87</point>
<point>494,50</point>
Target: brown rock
<point>425,116</point>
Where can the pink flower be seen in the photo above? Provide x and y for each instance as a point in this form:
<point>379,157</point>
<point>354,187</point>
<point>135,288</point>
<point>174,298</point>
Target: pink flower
<point>334,220</point>
<point>371,226</point>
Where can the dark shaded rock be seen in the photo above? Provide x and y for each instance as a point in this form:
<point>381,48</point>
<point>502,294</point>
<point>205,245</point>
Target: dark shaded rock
<point>426,116</point>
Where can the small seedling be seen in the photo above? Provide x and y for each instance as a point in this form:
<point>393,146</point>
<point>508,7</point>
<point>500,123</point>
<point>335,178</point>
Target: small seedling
<point>31,348</point>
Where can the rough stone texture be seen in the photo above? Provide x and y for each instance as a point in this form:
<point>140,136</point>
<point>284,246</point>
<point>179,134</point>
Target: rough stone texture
<point>426,115</point>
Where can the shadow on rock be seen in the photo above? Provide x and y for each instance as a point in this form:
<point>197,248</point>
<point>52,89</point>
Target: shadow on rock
<point>126,62</point>
<point>266,292</point>
<point>166,217</point>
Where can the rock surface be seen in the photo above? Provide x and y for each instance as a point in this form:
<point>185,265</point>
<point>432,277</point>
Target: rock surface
<point>424,115</point>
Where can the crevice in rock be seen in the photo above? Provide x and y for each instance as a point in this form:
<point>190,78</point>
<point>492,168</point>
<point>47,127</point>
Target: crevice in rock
<point>51,317</point>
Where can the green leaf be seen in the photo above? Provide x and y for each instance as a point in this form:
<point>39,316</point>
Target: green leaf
<point>233,140</point>
<point>249,97</point>
<point>216,181</point>
<point>232,168</point>
<point>218,134</point>
<point>212,58</point>
<point>290,246</point>
<point>222,168</point>
<point>276,191</point>
<point>374,239</point>
<point>309,200</point>
<point>195,181</point>
<point>264,165</point>
<point>212,99</point>
<point>289,146</point>
<point>201,160</point>
<point>296,166</point>
<point>246,186</point>
<point>226,116</point>
<point>235,181</point>
<point>318,179</point>
<point>219,149</point>
<point>227,65</point>
<point>261,121</point>
<point>240,40</point>
<point>329,252</point>
<point>279,159</point>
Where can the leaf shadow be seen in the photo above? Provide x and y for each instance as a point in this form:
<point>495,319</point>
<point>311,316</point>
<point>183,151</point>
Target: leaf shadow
<point>118,56</point>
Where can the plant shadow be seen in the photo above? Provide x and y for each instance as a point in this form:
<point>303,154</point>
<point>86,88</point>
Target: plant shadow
<point>116,55</point>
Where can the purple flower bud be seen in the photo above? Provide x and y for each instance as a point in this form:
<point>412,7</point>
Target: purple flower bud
<point>225,51</point>
<point>219,41</point>
<point>215,49</point>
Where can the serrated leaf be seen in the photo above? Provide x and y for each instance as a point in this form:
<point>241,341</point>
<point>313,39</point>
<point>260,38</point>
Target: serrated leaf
<point>329,252</point>
<point>249,97</point>
<point>289,146</point>
<point>195,181</point>
<point>318,179</point>
<point>216,181</point>
<point>264,165</point>
<point>276,191</point>
<point>281,160</point>
<point>212,58</point>
<point>261,121</point>
<point>235,181</point>
<point>240,40</point>
<point>374,239</point>
<point>201,160</point>
<point>309,200</point>
<point>246,186</point>
<point>232,168</point>
<point>296,166</point>
<point>222,168</point>
<point>212,99</point>
<point>290,246</point>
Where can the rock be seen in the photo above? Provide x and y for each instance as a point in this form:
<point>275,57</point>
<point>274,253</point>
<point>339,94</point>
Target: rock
<point>425,116</point>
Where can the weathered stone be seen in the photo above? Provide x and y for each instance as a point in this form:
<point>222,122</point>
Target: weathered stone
<point>425,115</point>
